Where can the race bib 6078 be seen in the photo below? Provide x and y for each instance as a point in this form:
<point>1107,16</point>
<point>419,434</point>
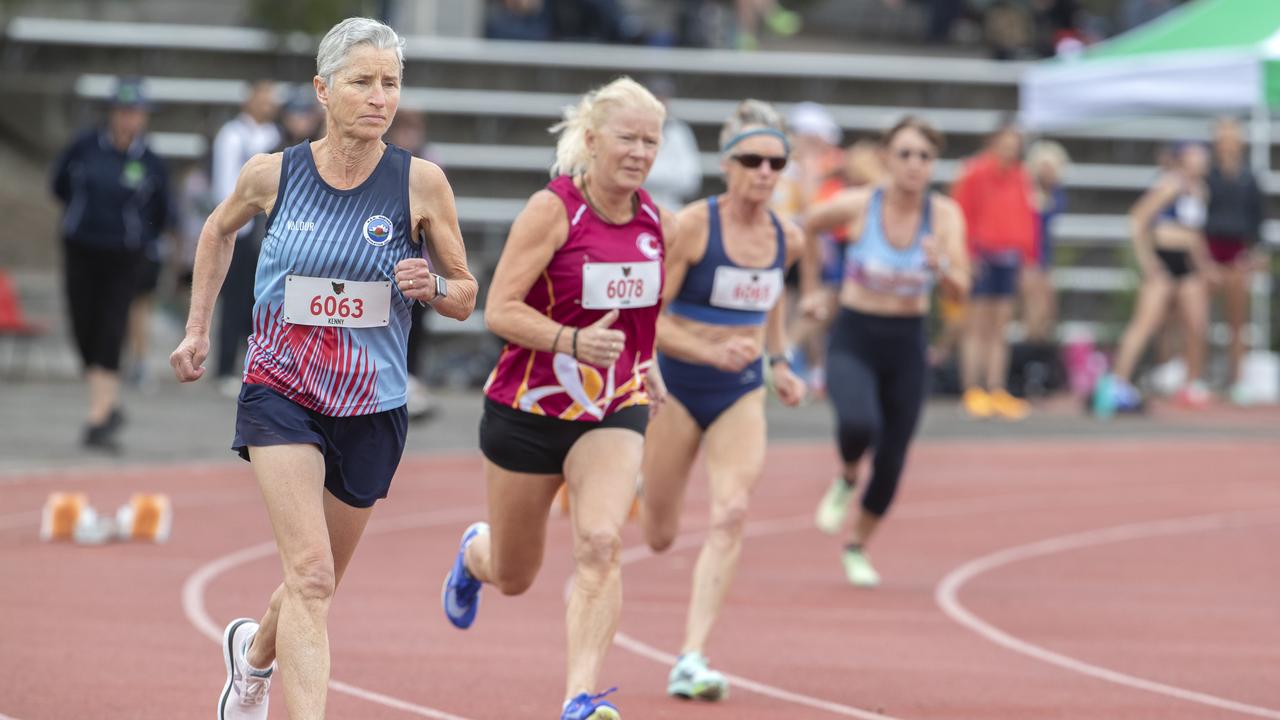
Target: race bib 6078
<point>606,286</point>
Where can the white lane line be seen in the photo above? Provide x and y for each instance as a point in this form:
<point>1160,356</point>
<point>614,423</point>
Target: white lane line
<point>761,528</point>
<point>948,589</point>
<point>193,591</point>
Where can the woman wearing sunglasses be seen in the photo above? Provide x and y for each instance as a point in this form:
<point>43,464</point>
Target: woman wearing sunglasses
<point>904,240</point>
<point>725,267</point>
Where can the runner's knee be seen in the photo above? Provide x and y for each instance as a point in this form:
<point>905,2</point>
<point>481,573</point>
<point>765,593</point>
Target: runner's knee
<point>515,581</point>
<point>728,518</point>
<point>311,576</point>
<point>598,549</point>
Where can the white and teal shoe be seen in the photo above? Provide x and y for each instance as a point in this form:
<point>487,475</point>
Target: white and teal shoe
<point>834,507</point>
<point>691,679</point>
<point>858,568</point>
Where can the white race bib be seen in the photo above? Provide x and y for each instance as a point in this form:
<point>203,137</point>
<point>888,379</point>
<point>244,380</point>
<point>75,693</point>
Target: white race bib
<point>336,303</point>
<point>738,288</point>
<point>606,286</point>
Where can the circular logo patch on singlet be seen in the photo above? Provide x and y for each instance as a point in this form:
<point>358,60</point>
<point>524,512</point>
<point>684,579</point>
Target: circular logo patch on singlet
<point>649,245</point>
<point>377,230</point>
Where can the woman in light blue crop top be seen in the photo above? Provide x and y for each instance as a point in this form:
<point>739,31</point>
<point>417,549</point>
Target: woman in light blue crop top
<point>724,292</point>
<point>904,240</point>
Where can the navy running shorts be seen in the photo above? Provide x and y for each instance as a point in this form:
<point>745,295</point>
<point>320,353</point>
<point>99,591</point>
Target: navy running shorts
<point>361,452</point>
<point>997,276</point>
<point>707,392</point>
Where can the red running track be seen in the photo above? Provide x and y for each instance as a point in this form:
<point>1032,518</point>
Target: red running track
<point>1066,579</point>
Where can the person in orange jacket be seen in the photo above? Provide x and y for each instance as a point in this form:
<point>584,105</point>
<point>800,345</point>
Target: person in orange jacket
<point>994,192</point>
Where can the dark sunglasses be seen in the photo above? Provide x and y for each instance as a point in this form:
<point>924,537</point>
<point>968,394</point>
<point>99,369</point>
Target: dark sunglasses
<point>905,155</point>
<point>753,161</point>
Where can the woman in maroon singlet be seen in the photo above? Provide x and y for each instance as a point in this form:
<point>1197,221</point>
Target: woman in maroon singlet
<point>576,295</point>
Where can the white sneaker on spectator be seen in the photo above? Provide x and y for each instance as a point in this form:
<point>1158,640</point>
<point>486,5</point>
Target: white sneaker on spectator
<point>244,697</point>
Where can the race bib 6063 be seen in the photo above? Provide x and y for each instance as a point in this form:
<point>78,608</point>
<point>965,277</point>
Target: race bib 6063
<point>738,288</point>
<point>336,303</point>
<point>606,286</point>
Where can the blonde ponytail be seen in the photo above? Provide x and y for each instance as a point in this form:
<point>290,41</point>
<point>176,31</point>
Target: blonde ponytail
<point>591,113</point>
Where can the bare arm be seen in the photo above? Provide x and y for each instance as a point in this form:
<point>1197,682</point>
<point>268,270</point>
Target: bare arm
<point>790,389</point>
<point>431,202</point>
<point>775,338</point>
<point>685,246</point>
<point>255,192</point>
<point>536,234</point>
<point>842,209</point>
<point>954,276</point>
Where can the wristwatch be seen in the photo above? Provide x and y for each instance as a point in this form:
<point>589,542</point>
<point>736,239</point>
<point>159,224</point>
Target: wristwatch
<point>784,357</point>
<point>442,289</point>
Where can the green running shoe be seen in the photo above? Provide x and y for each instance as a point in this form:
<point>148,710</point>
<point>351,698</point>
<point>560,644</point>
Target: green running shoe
<point>858,568</point>
<point>834,507</point>
<point>691,679</point>
<point>783,21</point>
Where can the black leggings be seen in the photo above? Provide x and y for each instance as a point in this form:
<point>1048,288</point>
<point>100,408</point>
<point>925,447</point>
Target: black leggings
<point>100,288</point>
<point>876,380</point>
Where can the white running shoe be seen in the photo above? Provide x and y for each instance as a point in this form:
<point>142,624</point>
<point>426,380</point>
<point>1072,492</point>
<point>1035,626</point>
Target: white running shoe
<point>858,568</point>
<point>834,507</point>
<point>692,679</point>
<point>244,697</point>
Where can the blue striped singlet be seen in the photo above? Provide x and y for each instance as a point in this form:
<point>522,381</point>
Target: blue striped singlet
<point>332,242</point>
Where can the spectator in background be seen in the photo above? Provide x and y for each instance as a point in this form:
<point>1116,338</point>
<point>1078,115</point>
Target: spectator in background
<point>300,118</point>
<point>677,173</point>
<point>1137,12</point>
<point>519,20</point>
<point>251,132</point>
<point>1167,224</point>
<point>995,194</point>
<point>815,158</point>
<point>409,131</point>
<point>114,189</point>
<point>1232,229</point>
<point>750,13</point>
<point>1057,25</point>
<point>1047,162</point>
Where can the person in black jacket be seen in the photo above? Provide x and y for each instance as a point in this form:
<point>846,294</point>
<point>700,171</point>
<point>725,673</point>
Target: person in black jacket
<point>1232,228</point>
<point>115,194</point>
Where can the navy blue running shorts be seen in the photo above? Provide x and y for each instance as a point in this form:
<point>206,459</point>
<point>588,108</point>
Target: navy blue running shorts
<point>997,276</point>
<point>360,452</point>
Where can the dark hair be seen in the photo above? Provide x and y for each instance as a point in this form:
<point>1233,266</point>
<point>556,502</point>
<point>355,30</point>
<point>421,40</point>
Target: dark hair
<point>911,122</point>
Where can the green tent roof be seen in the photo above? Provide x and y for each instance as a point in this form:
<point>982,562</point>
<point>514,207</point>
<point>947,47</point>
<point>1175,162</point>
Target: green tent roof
<point>1204,25</point>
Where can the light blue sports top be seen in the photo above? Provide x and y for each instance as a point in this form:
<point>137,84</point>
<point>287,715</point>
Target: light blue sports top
<point>880,267</point>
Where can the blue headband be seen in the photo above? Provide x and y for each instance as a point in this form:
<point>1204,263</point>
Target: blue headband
<point>757,131</point>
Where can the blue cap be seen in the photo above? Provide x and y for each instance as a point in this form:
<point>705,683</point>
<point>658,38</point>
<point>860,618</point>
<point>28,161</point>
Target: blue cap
<point>129,92</point>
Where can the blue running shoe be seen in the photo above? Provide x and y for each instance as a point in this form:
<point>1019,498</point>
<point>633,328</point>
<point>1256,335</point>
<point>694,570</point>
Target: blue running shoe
<point>460,595</point>
<point>589,707</point>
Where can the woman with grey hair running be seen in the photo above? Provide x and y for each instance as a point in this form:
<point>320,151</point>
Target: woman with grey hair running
<point>723,329</point>
<point>321,414</point>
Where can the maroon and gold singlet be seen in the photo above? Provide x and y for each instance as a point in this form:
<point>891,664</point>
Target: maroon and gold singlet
<point>600,267</point>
